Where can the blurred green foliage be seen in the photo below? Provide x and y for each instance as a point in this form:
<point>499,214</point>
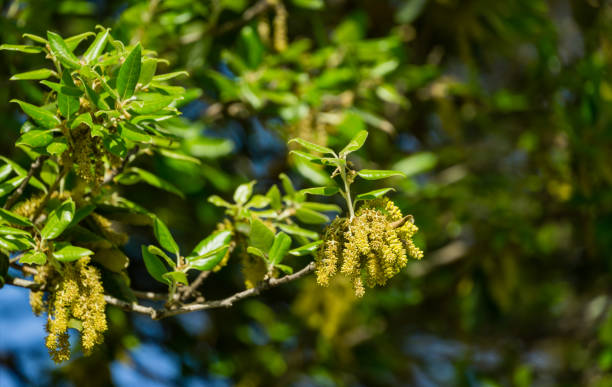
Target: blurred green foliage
<point>500,113</point>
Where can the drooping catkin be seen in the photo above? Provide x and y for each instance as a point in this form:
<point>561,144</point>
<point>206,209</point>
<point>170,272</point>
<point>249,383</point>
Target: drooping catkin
<point>367,249</point>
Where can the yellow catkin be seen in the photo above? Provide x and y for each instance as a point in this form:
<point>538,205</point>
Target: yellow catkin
<point>367,249</point>
<point>88,155</point>
<point>109,230</point>
<point>75,294</point>
<point>280,26</point>
<point>253,269</point>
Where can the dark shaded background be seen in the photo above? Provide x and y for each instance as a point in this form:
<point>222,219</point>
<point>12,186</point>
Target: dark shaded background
<point>500,112</point>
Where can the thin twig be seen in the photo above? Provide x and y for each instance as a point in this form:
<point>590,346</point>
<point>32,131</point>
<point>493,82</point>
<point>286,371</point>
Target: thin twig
<point>150,295</point>
<point>163,312</point>
<point>34,167</point>
<point>187,291</point>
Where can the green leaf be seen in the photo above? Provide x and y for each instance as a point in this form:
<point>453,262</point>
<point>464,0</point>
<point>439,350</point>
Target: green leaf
<point>325,191</point>
<point>21,48</point>
<point>147,71</point>
<point>71,253</point>
<point>260,235</point>
<point>284,268</point>
<point>275,197</point>
<point>68,105</point>
<point>416,163</point>
<point>5,171</point>
<point>377,174</point>
<point>154,266</point>
<point>306,156</point>
<point>217,201</point>
<point>134,133</point>
<point>168,76</point>
<point>10,185</point>
<point>36,138</point>
<point>298,231</point>
<point>149,103</point>
<point>116,145</point>
<point>310,217</point>
<point>355,143</point>
<point>148,178</point>
<point>42,117</point>
<point>13,218</point>
<point>33,257</point>
<point>36,38</point>
<point>244,192</point>
<point>258,201</point>
<point>255,251</point>
<point>282,243</point>
<point>309,248</point>
<point>33,75</point>
<point>373,194</point>
<point>201,146</point>
<point>322,207</point>
<point>287,185</point>
<point>61,51</point>
<point>210,251</point>
<point>58,147</point>
<point>313,147</point>
<point>97,47</point>
<point>84,118</point>
<point>58,220</point>
<point>34,182</point>
<point>310,4</point>
<point>160,253</point>
<point>73,42</point>
<point>6,230</point>
<point>176,276</point>
<point>61,88</point>
<point>163,236</point>
<point>177,156</point>
<point>250,46</point>
<point>129,74</point>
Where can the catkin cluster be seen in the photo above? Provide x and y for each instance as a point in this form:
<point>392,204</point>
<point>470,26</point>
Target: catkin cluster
<point>88,155</point>
<point>368,249</point>
<point>75,294</point>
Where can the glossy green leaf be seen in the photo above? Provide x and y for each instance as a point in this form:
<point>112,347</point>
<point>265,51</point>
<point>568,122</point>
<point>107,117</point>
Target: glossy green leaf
<point>33,257</point>
<point>280,247</point>
<point>61,88</point>
<point>61,51</point>
<point>41,116</point>
<point>129,74</point>
<point>10,185</point>
<point>310,4</point>
<point>260,235</point>
<point>134,133</point>
<point>176,276</point>
<point>244,192</point>
<point>275,197</point>
<point>147,177</point>
<point>355,144</point>
<point>22,48</point>
<point>12,218</point>
<point>162,254</point>
<point>217,201</point>
<point>57,147</point>
<point>308,216</point>
<point>257,252</point>
<point>71,253</point>
<point>34,182</point>
<point>36,38</point>
<point>377,174</point>
<point>257,201</point>
<point>324,191</point>
<point>168,76</point>
<point>212,242</point>
<point>309,248</point>
<point>147,70</point>
<point>34,75</point>
<point>313,147</point>
<point>73,42</point>
<point>373,194</point>
<point>58,220</point>
<point>154,265</point>
<point>287,184</point>
<point>321,207</point>
<point>6,230</point>
<point>97,46</point>
<point>149,103</point>
<point>5,171</point>
<point>68,104</point>
<point>298,231</point>
<point>164,237</point>
<point>36,138</point>
<point>84,119</point>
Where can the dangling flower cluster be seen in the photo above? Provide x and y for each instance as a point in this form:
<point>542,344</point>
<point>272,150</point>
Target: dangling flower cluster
<point>75,294</point>
<point>368,249</point>
<point>280,25</point>
<point>88,155</point>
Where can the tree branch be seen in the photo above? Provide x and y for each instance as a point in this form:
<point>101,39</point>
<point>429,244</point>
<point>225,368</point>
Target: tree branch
<point>34,167</point>
<point>160,313</point>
